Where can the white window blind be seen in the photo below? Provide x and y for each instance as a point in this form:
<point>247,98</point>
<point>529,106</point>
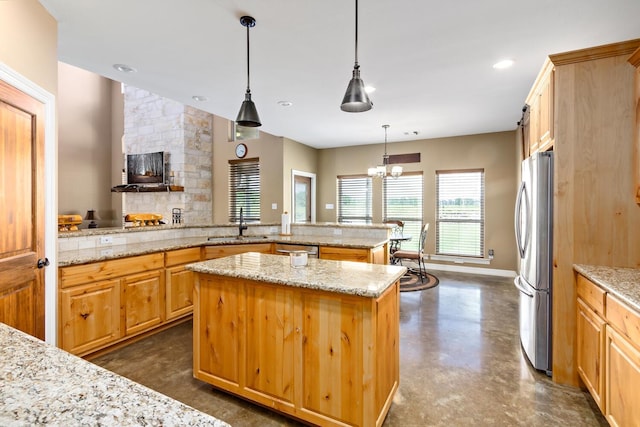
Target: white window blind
<point>244,190</point>
<point>460,212</point>
<point>354,199</point>
<point>402,198</point>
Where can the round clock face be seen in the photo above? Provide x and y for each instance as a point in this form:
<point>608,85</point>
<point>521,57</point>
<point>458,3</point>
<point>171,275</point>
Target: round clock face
<point>241,150</point>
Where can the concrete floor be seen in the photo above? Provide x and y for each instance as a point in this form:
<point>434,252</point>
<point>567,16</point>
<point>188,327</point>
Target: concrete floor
<point>460,364</point>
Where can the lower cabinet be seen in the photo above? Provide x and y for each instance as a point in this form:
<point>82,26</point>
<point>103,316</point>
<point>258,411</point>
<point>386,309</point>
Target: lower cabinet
<point>590,354</point>
<point>90,316</point>
<point>179,281</point>
<point>105,302</point>
<point>608,353</point>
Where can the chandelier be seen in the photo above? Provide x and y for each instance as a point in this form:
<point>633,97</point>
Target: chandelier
<point>382,171</point>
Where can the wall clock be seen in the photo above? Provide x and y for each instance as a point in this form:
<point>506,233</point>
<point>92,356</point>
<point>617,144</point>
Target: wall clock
<point>241,151</point>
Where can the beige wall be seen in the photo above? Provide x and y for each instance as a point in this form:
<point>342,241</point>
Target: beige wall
<point>29,44</point>
<point>85,143</point>
<point>494,152</point>
<point>298,157</point>
<point>269,149</point>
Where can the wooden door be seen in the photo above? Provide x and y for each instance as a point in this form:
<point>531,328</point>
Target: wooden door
<point>590,351</point>
<point>21,211</point>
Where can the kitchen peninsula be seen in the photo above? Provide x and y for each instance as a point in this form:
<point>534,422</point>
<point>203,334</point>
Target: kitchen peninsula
<point>319,342</point>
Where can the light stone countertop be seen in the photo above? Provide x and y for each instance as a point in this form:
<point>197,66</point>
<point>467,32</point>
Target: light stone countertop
<point>346,277</point>
<point>102,253</point>
<point>42,384</point>
<point>624,283</point>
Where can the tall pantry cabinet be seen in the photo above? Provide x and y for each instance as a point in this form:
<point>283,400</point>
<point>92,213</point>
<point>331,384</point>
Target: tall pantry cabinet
<point>582,107</point>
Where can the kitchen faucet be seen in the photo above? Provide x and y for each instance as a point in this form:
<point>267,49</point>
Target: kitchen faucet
<point>240,225</point>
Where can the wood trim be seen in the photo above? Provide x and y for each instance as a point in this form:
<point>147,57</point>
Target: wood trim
<point>404,158</point>
<point>597,52</point>
<point>634,59</point>
<point>459,170</point>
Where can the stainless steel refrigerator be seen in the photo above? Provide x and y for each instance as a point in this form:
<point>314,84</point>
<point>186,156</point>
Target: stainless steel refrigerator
<point>534,238</point>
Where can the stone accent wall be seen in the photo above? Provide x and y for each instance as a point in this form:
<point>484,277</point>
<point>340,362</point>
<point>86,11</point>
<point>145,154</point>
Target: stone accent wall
<point>153,123</point>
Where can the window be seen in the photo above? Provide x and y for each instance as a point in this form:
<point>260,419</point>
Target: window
<point>460,212</point>
<point>402,198</point>
<point>354,199</point>
<point>244,190</point>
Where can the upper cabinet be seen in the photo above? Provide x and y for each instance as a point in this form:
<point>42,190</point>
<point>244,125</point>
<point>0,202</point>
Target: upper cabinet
<point>635,61</point>
<point>540,101</point>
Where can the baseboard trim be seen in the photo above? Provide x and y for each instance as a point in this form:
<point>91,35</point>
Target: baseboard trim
<point>472,270</point>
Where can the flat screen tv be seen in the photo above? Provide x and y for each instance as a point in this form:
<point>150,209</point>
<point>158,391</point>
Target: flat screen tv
<point>145,168</point>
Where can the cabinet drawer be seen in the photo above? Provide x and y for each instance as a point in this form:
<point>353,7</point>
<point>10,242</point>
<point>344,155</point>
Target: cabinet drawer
<point>212,252</point>
<point>623,319</point>
<point>591,294</point>
<point>87,273</point>
<point>182,256</point>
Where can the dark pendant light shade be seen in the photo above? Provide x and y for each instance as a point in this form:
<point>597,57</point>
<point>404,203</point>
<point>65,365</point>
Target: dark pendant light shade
<point>355,98</point>
<point>248,114</point>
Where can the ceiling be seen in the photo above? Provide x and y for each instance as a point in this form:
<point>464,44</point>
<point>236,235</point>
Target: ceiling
<point>430,61</point>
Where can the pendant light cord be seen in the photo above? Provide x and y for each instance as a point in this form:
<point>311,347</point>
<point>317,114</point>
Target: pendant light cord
<point>248,86</point>
<point>356,66</point>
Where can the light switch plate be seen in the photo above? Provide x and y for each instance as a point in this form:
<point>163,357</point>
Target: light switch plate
<point>274,206</point>
<point>328,206</point>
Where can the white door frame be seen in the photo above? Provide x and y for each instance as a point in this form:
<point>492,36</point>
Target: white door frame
<point>20,82</point>
<point>295,173</point>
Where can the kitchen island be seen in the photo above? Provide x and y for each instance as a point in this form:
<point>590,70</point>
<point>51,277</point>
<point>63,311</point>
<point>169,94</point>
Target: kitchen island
<point>41,384</point>
<point>318,343</point>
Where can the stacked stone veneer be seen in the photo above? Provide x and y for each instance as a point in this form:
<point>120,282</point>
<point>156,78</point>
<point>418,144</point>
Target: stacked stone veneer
<point>153,123</point>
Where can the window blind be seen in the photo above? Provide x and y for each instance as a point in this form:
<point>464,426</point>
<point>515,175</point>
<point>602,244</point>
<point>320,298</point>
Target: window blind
<point>460,212</point>
<point>402,199</point>
<point>354,199</point>
<point>244,190</point>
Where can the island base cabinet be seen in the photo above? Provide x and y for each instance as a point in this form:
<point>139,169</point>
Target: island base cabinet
<point>326,358</point>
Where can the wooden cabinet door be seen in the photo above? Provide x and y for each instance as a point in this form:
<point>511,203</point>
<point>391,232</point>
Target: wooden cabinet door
<point>622,377</point>
<point>89,316</point>
<point>591,351</point>
<point>270,342</point>
<point>143,296</point>
<point>219,322</point>
<point>179,291</point>
<point>22,122</point>
<point>331,374</point>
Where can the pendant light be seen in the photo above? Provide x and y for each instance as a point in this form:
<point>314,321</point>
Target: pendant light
<point>248,115</point>
<point>381,171</point>
<point>355,98</point>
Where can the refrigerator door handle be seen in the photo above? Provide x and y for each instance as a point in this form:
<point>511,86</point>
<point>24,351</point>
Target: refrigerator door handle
<point>522,197</point>
<point>521,288</point>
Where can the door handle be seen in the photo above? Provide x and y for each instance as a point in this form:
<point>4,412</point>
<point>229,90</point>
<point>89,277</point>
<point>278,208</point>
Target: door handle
<point>42,263</point>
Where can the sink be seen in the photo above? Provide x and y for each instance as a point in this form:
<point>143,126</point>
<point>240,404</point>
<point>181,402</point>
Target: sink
<point>234,238</point>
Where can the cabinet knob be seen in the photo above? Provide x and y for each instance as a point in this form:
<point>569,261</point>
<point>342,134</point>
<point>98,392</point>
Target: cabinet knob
<point>43,262</point>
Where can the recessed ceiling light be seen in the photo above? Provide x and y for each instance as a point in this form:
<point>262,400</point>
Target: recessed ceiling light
<point>199,98</point>
<point>501,65</point>
<point>124,68</point>
<point>369,89</point>
<point>285,103</point>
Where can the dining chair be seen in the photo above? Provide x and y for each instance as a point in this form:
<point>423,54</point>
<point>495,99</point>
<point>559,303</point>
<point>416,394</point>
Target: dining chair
<point>415,256</point>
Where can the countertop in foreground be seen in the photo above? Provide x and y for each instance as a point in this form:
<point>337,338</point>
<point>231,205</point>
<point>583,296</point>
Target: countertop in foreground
<point>42,384</point>
<point>621,282</point>
<point>346,277</point>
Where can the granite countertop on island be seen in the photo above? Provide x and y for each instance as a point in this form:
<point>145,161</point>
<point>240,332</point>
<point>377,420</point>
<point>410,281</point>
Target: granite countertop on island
<point>42,384</point>
<point>621,282</point>
<point>347,277</point>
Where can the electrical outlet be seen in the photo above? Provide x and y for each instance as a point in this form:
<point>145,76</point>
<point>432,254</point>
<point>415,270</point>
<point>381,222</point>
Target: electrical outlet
<point>106,240</point>
<point>106,252</point>
<point>491,253</point>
